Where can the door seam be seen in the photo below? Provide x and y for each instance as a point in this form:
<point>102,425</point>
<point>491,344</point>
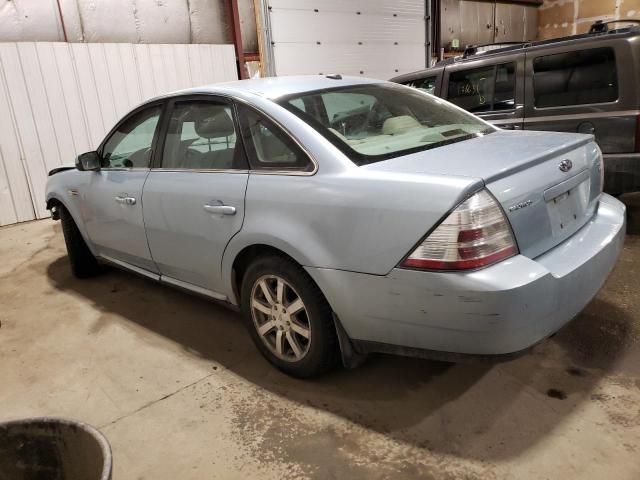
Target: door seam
<point>144,222</point>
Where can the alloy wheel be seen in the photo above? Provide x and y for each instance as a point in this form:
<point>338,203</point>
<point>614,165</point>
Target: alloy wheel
<point>280,318</point>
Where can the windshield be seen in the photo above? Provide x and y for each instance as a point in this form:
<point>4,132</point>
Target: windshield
<point>375,122</point>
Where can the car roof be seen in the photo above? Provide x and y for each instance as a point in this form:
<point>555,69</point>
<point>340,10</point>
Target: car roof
<point>274,87</point>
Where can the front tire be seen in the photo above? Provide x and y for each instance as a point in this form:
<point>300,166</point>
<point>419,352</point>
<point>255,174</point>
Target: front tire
<point>288,317</point>
<point>83,263</point>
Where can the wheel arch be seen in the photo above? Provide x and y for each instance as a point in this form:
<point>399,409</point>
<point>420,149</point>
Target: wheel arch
<point>243,258</point>
<point>53,200</point>
<point>349,356</point>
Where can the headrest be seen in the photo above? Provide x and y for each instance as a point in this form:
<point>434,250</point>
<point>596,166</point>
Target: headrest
<point>394,125</point>
<point>214,123</point>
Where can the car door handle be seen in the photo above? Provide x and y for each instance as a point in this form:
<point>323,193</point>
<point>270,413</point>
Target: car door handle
<point>126,200</point>
<point>220,209</point>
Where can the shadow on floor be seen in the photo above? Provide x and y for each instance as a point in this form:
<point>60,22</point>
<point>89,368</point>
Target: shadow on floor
<point>472,411</point>
<point>632,201</point>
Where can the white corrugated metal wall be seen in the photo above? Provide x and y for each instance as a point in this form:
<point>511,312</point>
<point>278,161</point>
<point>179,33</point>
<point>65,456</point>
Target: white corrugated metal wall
<point>124,21</point>
<point>59,99</point>
<point>378,39</point>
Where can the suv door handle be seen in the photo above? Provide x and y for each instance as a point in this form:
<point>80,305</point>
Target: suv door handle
<point>220,209</point>
<point>126,200</point>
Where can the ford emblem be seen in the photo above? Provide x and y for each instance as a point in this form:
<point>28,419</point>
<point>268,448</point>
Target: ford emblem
<point>565,165</point>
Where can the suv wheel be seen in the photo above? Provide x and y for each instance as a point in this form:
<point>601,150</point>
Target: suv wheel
<point>289,319</point>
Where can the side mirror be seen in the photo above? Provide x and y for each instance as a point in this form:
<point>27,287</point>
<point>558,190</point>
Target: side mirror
<point>88,161</point>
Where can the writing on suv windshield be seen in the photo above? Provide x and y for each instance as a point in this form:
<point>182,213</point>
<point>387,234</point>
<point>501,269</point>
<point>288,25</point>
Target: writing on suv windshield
<point>375,122</point>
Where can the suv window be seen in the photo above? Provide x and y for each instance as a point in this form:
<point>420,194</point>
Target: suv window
<point>202,136</point>
<point>484,89</point>
<point>427,84</point>
<point>130,145</point>
<point>575,78</point>
<point>268,147</point>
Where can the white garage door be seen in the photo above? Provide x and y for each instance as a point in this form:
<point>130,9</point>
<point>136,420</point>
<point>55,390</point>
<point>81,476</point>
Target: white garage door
<point>377,39</point>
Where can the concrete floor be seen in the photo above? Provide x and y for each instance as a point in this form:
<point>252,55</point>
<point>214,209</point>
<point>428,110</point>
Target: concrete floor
<point>181,393</point>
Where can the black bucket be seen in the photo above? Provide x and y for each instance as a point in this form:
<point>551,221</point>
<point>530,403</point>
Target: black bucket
<point>53,449</point>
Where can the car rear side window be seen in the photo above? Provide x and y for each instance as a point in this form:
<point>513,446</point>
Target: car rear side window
<point>268,147</point>
<point>202,136</point>
<point>575,78</point>
<point>484,89</point>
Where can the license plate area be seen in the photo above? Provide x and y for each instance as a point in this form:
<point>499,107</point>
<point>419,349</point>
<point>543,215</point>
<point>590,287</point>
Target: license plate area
<point>567,209</point>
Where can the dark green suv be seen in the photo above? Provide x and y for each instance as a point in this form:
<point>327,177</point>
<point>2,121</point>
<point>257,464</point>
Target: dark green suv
<point>583,83</point>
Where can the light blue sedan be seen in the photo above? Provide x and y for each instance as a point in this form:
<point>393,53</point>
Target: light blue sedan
<point>345,216</point>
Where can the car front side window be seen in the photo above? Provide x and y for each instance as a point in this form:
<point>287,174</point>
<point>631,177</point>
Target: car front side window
<point>130,145</point>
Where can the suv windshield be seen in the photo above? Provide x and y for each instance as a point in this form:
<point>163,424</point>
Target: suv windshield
<point>375,122</point>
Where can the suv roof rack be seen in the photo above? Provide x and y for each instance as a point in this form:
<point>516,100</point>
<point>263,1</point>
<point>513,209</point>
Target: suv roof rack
<point>597,28</point>
<point>473,49</point>
<point>600,26</point>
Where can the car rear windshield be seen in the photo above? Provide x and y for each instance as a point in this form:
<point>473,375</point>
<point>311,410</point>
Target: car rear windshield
<point>375,122</point>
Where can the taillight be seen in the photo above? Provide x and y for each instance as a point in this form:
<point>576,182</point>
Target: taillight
<point>601,169</point>
<point>475,234</point>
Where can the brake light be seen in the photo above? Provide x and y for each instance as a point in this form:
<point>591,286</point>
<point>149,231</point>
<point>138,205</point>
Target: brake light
<point>476,234</point>
<point>601,169</point>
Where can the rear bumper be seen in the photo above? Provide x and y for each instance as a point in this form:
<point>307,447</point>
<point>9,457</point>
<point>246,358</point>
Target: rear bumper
<point>501,309</point>
<point>621,172</point>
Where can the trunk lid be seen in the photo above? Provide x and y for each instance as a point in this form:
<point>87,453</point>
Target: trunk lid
<point>544,203</point>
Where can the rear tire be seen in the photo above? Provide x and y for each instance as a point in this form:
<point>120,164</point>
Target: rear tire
<point>83,263</point>
<point>292,313</point>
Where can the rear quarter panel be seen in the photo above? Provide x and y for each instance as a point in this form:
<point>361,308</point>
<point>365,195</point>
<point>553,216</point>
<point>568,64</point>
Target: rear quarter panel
<point>356,220</point>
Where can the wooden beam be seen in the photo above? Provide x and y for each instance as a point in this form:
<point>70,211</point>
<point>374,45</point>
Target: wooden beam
<point>535,3</point>
<point>233,18</point>
<point>251,57</point>
<point>257,8</point>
